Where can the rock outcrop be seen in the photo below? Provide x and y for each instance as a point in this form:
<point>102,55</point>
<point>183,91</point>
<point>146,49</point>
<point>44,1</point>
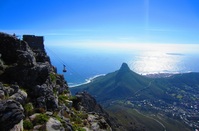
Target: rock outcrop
<point>32,93</point>
<point>11,113</point>
<point>86,102</point>
<point>97,117</point>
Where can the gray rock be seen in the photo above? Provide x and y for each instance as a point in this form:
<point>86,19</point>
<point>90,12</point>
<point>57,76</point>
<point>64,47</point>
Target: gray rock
<point>103,124</point>
<point>8,91</point>
<point>49,113</point>
<point>45,97</point>
<point>11,113</point>
<point>9,52</point>
<point>20,96</point>
<point>88,102</point>
<point>51,102</point>
<point>18,127</point>
<point>62,84</point>
<point>2,94</point>
<point>37,128</point>
<point>32,117</point>
<point>54,125</point>
<point>26,59</point>
<point>41,102</point>
<point>15,87</point>
<point>64,113</point>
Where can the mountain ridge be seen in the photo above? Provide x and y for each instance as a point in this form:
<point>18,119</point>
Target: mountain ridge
<point>121,83</point>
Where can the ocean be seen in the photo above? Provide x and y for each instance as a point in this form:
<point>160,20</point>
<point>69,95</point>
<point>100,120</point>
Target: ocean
<point>83,64</point>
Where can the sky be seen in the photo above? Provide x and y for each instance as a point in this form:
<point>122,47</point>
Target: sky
<point>103,22</point>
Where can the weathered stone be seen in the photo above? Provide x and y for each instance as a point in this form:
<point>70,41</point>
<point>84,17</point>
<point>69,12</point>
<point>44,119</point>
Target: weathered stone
<point>37,128</point>
<point>103,124</point>
<point>18,127</point>
<point>68,127</point>
<point>11,113</point>
<point>98,118</point>
<point>45,97</point>
<point>26,59</point>
<point>8,91</point>
<point>49,113</point>
<point>41,102</point>
<point>9,52</point>
<point>20,96</point>
<point>2,94</point>
<point>51,102</point>
<point>64,112</point>
<point>88,102</point>
<point>15,87</point>
<point>54,125</point>
<point>32,117</point>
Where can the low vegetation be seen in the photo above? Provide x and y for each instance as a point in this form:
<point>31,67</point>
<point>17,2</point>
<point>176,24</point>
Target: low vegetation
<point>27,125</point>
<point>41,119</point>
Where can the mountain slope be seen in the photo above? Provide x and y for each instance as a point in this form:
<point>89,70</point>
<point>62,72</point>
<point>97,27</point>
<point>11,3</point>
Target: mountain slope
<point>121,84</point>
<point>172,100</point>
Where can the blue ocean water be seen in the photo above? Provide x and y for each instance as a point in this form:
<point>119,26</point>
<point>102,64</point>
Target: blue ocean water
<point>84,64</point>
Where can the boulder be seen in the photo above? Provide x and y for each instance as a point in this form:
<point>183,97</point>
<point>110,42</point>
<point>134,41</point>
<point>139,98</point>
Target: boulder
<point>20,96</point>
<point>45,97</point>
<point>54,125</point>
<point>27,76</point>
<point>26,59</point>
<point>18,127</point>
<point>11,113</point>
<point>41,102</point>
<point>88,102</point>
<point>8,91</point>
<point>15,87</point>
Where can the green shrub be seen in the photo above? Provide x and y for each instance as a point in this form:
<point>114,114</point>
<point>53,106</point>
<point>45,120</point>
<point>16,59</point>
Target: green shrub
<point>77,128</point>
<point>82,115</point>
<point>59,119</point>
<point>52,77</point>
<point>62,98</point>
<point>6,85</point>
<point>28,108</point>
<point>41,119</point>
<point>73,98</point>
<point>66,91</point>
<point>27,125</point>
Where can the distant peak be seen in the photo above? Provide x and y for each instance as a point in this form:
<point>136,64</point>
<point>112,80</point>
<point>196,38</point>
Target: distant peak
<point>124,67</point>
<point>122,71</point>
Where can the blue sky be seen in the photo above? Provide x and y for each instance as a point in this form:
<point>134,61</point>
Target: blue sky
<point>101,22</point>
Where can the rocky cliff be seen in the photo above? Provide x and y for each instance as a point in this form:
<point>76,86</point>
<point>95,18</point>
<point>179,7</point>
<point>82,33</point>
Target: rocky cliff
<point>34,97</point>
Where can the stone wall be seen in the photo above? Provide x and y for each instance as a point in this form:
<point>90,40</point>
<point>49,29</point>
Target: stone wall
<point>35,42</point>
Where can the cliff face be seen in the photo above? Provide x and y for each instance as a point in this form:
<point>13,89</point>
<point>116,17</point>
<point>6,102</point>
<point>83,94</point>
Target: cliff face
<point>32,93</point>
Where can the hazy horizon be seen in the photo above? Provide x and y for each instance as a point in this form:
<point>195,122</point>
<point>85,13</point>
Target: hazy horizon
<point>154,35</point>
<point>103,22</point>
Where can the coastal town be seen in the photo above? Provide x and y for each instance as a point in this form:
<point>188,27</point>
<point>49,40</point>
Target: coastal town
<point>183,107</point>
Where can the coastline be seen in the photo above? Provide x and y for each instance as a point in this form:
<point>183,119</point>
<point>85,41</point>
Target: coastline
<point>89,80</point>
<point>161,75</point>
<point>150,75</point>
